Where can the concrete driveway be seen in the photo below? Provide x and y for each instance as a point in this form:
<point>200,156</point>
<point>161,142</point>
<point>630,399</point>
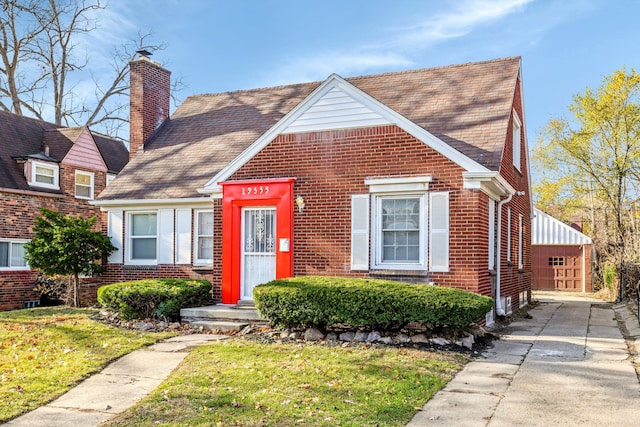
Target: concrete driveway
<point>568,365</point>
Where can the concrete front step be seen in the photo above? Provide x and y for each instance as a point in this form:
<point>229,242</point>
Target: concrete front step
<point>219,325</point>
<point>221,312</point>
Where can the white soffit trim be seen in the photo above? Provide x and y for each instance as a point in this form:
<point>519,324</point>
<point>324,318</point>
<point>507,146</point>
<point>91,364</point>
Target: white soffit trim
<point>378,112</point>
<point>133,204</point>
<point>492,183</point>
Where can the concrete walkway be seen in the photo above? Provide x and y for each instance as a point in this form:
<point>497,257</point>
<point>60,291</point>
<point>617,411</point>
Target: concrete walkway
<point>568,365</point>
<point>117,387</point>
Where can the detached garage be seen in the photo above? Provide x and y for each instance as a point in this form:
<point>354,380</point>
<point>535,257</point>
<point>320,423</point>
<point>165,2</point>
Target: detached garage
<point>560,255</point>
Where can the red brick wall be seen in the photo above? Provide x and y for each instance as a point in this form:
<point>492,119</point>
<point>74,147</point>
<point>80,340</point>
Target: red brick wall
<point>149,101</point>
<point>18,211</point>
<point>331,166</point>
<point>514,280</point>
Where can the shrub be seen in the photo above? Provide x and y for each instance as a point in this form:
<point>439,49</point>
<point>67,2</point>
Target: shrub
<point>326,301</point>
<point>159,298</point>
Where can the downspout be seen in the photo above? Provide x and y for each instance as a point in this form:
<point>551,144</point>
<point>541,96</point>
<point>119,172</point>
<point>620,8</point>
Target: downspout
<point>499,309</point>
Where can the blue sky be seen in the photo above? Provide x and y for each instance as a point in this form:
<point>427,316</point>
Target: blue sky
<point>216,46</point>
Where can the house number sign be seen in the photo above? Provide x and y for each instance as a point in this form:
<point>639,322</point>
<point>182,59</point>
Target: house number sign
<point>255,190</point>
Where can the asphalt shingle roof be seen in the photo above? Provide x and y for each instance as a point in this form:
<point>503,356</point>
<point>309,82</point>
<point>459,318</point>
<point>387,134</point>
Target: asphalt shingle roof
<point>24,136</point>
<point>467,106</point>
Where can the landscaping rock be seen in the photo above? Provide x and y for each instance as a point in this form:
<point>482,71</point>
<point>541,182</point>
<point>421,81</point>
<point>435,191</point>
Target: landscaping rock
<point>313,334</point>
<point>440,341</point>
<point>419,339</point>
<point>385,340</point>
<point>466,342</point>
<point>416,326</point>
<point>285,334</point>
<point>347,336</point>
<point>361,336</point>
<point>373,336</point>
<point>401,339</point>
<point>294,336</point>
<point>331,336</point>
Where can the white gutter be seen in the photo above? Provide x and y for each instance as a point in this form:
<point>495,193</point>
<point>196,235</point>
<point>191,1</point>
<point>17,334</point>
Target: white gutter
<point>499,309</point>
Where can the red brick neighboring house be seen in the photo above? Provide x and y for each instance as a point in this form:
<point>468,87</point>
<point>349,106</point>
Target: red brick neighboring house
<point>44,165</point>
<point>421,176</point>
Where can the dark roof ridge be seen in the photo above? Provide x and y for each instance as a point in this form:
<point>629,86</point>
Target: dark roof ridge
<point>257,89</point>
<point>440,67</point>
<point>367,76</point>
<point>33,119</point>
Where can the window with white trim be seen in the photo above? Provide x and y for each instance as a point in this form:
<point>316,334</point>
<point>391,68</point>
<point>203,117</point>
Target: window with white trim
<point>12,255</point>
<point>109,179</point>
<point>517,135</point>
<point>143,237</point>
<point>45,175</point>
<point>492,234</point>
<point>204,237</point>
<point>520,235</point>
<point>84,185</point>
<point>400,231</point>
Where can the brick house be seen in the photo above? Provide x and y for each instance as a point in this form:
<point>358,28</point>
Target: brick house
<point>420,176</point>
<point>45,165</point>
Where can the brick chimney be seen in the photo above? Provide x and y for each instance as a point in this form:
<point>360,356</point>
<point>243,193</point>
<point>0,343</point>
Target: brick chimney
<point>149,101</point>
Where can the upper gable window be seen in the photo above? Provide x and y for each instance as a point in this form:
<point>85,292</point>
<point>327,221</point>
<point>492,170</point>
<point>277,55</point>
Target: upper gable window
<point>517,136</point>
<point>110,178</point>
<point>84,185</point>
<point>45,175</point>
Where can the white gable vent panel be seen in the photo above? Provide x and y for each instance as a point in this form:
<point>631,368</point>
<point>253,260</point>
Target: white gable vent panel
<point>336,110</point>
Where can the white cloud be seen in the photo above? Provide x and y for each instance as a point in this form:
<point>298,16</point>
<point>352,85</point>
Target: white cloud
<point>401,45</point>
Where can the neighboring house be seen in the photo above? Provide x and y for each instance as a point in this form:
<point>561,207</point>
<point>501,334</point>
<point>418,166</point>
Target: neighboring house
<point>44,165</point>
<point>420,176</point>
<point>561,256</point>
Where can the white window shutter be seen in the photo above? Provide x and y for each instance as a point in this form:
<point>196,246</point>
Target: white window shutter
<point>360,232</point>
<point>183,236</point>
<point>165,236</point>
<point>114,231</point>
<point>439,231</point>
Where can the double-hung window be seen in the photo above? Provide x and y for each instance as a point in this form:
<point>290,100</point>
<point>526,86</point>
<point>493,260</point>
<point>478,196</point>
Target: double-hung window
<point>12,255</point>
<point>517,145</point>
<point>400,230</point>
<point>143,237</point>
<point>204,237</point>
<point>45,175</point>
<point>84,185</point>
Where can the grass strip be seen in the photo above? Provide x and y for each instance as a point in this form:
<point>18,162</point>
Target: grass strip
<point>247,383</point>
<point>46,351</point>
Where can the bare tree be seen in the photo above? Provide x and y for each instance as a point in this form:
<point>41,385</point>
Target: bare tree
<point>39,54</point>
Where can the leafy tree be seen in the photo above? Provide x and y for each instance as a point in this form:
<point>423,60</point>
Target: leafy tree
<point>40,53</point>
<point>67,245</point>
<point>590,165</point>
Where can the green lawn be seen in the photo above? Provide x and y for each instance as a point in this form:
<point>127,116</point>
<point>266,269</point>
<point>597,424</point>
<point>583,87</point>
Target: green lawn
<point>46,351</point>
<point>246,383</point>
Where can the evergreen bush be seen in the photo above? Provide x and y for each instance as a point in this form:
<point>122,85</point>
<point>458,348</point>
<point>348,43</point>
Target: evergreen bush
<point>155,298</point>
<point>325,301</point>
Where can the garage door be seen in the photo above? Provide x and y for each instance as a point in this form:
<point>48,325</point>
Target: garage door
<point>557,268</point>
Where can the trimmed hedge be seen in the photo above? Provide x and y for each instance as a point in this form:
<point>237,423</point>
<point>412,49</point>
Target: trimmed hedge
<point>325,301</point>
<point>155,298</point>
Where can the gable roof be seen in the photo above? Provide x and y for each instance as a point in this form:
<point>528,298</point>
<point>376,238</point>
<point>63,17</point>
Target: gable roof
<point>546,230</point>
<point>467,107</point>
<point>26,137</point>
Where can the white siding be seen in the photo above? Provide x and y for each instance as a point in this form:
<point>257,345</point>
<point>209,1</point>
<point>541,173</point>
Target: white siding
<point>547,230</point>
<point>336,110</point>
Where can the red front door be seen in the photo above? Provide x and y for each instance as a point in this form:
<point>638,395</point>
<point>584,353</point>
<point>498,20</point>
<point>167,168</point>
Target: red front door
<point>257,231</point>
